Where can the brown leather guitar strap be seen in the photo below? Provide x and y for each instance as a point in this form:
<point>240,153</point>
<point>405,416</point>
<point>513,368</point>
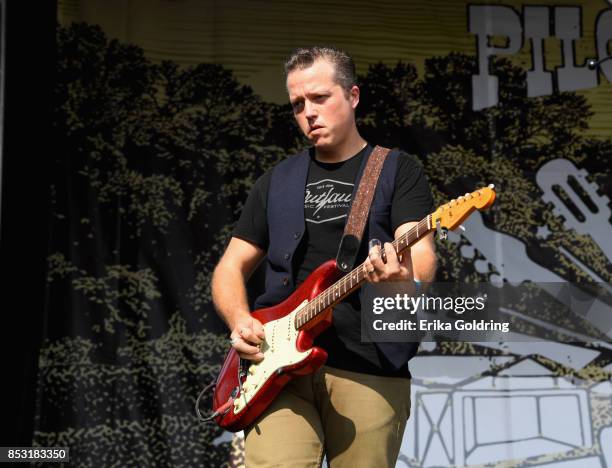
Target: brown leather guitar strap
<point>360,208</point>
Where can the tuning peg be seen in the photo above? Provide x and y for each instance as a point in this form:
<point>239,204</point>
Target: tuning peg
<point>442,232</point>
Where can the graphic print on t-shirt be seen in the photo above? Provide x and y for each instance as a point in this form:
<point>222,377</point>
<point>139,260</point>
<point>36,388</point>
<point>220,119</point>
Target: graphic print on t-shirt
<point>327,200</point>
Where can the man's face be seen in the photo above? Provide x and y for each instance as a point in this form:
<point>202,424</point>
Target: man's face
<point>322,109</point>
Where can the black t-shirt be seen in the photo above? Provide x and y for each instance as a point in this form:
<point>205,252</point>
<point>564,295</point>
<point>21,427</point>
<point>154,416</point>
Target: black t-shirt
<point>327,200</point>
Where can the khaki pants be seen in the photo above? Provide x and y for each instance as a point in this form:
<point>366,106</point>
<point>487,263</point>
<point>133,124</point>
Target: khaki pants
<point>356,419</point>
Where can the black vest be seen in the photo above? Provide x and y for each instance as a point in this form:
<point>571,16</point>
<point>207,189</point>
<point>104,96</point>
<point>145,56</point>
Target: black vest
<point>286,226</point>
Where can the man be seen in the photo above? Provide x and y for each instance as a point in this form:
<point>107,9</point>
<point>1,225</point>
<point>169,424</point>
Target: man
<point>354,409</point>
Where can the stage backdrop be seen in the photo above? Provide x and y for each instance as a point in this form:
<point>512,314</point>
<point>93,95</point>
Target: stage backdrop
<point>165,114</point>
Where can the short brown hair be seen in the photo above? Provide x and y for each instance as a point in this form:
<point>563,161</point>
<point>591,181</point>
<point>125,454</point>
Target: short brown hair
<point>344,65</point>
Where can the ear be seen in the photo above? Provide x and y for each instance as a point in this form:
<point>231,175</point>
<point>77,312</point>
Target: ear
<point>354,96</point>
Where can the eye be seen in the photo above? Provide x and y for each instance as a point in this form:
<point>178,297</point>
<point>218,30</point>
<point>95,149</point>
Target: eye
<point>297,106</point>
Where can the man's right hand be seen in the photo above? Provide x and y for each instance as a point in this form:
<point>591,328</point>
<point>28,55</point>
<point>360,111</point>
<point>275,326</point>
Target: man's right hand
<point>247,336</point>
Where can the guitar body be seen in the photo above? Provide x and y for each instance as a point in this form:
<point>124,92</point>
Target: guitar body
<point>288,353</point>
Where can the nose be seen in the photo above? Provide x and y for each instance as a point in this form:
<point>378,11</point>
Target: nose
<point>309,109</point>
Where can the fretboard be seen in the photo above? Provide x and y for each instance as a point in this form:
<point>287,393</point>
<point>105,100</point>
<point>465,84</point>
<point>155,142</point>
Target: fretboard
<point>355,278</point>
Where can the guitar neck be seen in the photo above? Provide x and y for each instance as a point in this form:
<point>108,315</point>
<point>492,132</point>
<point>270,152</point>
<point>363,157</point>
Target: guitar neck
<point>355,278</point>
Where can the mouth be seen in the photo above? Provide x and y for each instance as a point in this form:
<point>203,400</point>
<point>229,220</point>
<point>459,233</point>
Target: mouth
<point>315,128</point>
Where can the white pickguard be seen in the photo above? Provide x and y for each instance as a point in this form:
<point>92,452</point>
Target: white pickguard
<point>279,350</point>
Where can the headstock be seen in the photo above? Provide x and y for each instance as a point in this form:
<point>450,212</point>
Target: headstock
<point>452,214</point>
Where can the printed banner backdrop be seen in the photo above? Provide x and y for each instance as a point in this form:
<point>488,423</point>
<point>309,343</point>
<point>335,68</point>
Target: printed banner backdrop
<point>166,112</point>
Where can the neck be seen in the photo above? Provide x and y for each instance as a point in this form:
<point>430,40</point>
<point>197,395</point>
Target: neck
<point>355,278</point>
<point>345,150</point>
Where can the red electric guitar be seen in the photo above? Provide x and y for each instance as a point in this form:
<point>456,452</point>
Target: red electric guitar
<point>244,390</point>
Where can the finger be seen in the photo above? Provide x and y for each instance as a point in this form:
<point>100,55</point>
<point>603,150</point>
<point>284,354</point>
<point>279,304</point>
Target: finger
<point>407,261</point>
<point>249,335</point>
<point>376,259</point>
<point>251,357</point>
<point>369,272</point>
<point>405,256</point>
<point>244,348</point>
<point>376,248</point>
<point>258,329</point>
<point>368,269</point>
<point>392,260</point>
